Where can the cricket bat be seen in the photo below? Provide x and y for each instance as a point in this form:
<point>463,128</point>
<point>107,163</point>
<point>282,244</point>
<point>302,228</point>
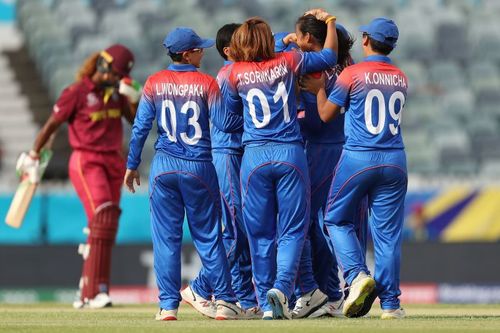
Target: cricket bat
<point>25,192</point>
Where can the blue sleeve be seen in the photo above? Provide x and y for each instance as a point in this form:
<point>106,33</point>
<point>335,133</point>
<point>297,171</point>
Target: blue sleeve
<point>225,113</point>
<point>312,62</point>
<point>341,89</point>
<point>143,123</point>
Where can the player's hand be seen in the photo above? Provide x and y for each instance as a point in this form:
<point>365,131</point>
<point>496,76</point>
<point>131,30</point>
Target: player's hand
<point>319,13</point>
<point>29,164</point>
<point>130,176</point>
<point>131,89</point>
<point>312,82</point>
<point>290,38</point>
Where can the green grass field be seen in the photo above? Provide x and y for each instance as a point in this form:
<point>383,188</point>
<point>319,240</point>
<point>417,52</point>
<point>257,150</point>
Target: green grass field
<point>139,318</point>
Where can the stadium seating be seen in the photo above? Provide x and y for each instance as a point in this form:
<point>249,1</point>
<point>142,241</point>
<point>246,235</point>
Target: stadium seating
<point>450,50</point>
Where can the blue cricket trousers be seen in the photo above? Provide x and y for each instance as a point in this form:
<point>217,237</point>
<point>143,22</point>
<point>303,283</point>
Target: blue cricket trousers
<point>179,187</point>
<point>275,195</point>
<point>228,165</point>
<point>318,265</point>
<point>382,176</point>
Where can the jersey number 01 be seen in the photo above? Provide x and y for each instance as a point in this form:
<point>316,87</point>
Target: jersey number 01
<point>281,93</point>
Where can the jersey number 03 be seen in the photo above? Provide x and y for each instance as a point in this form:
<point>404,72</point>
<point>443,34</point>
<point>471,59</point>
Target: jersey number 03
<point>192,121</point>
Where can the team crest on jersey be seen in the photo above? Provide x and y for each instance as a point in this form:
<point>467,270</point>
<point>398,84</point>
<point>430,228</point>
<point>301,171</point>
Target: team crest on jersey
<point>92,99</point>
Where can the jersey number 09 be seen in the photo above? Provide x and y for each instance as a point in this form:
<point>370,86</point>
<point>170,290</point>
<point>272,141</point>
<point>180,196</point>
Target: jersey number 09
<point>377,128</point>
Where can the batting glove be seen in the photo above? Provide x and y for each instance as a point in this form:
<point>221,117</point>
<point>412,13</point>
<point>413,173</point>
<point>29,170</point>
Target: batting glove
<point>29,164</point>
<point>131,89</point>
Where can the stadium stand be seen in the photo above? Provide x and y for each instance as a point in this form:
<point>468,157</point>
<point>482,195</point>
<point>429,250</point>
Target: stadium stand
<point>449,49</point>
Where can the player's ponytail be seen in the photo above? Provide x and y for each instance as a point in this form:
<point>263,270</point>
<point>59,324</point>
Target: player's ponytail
<point>253,41</point>
<point>88,67</point>
<point>346,41</point>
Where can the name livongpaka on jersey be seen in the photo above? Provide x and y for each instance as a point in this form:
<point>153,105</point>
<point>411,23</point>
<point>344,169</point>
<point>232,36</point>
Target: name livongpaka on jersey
<point>267,75</point>
<point>386,79</point>
<point>167,88</point>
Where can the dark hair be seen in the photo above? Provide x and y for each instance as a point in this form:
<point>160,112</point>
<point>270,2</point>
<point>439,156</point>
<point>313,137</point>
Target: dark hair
<point>317,29</point>
<point>380,47</point>
<point>346,41</point>
<point>224,36</point>
<point>310,24</point>
<point>176,57</point>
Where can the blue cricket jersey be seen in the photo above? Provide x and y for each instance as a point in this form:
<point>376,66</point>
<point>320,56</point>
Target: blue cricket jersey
<point>314,130</point>
<point>373,93</point>
<point>222,141</point>
<point>266,92</point>
<point>183,101</point>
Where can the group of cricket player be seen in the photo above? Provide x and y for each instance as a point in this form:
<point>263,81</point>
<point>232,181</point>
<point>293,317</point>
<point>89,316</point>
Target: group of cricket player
<point>279,165</point>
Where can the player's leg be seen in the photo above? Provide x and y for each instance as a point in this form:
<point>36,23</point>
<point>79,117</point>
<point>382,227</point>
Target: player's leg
<point>351,182</point>
<point>167,217</point>
<point>234,237</point>
<point>201,196</point>
<point>116,171</point>
<point>259,216</point>
<point>387,204</point>
<point>92,184</point>
<point>293,198</point>
<point>322,160</point>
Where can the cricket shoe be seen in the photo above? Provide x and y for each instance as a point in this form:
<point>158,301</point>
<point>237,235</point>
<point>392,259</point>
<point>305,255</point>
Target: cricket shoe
<point>253,313</point>
<point>330,309</point>
<point>367,305</point>
<point>78,303</point>
<point>166,315</point>
<point>360,289</point>
<point>267,315</point>
<point>101,300</point>
<point>228,311</point>
<point>204,306</point>
<point>309,303</point>
<point>393,314</point>
<point>279,304</point>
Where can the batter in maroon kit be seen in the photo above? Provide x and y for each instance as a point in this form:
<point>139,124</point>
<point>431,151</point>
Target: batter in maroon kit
<point>94,106</point>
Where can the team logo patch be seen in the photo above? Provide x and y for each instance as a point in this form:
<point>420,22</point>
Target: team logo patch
<point>92,100</point>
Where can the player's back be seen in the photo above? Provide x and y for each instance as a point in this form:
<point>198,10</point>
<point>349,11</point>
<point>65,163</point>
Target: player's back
<point>223,140</point>
<point>267,91</point>
<point>377,92</point>
<point>181,99</point>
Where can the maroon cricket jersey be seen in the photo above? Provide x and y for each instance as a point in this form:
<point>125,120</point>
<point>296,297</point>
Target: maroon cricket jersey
<point>94,116</point>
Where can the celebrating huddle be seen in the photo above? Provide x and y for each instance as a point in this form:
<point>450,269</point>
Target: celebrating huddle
<point>277,164</point>
<point>275,149</point>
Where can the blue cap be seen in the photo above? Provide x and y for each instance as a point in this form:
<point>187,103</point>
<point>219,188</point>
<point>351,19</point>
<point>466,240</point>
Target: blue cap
<point>184,39</point>
<point>382,30</point>
<point>342,29</point>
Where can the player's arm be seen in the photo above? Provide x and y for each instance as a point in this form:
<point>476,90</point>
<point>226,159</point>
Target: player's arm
<point>48,129</point>
<point>132,90</point>
<point>62,111</point>
<point>140,131</point>
<point>282,40</point>
<point>311,62</point>
<point>225,113</point>
<point>327,110</point>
